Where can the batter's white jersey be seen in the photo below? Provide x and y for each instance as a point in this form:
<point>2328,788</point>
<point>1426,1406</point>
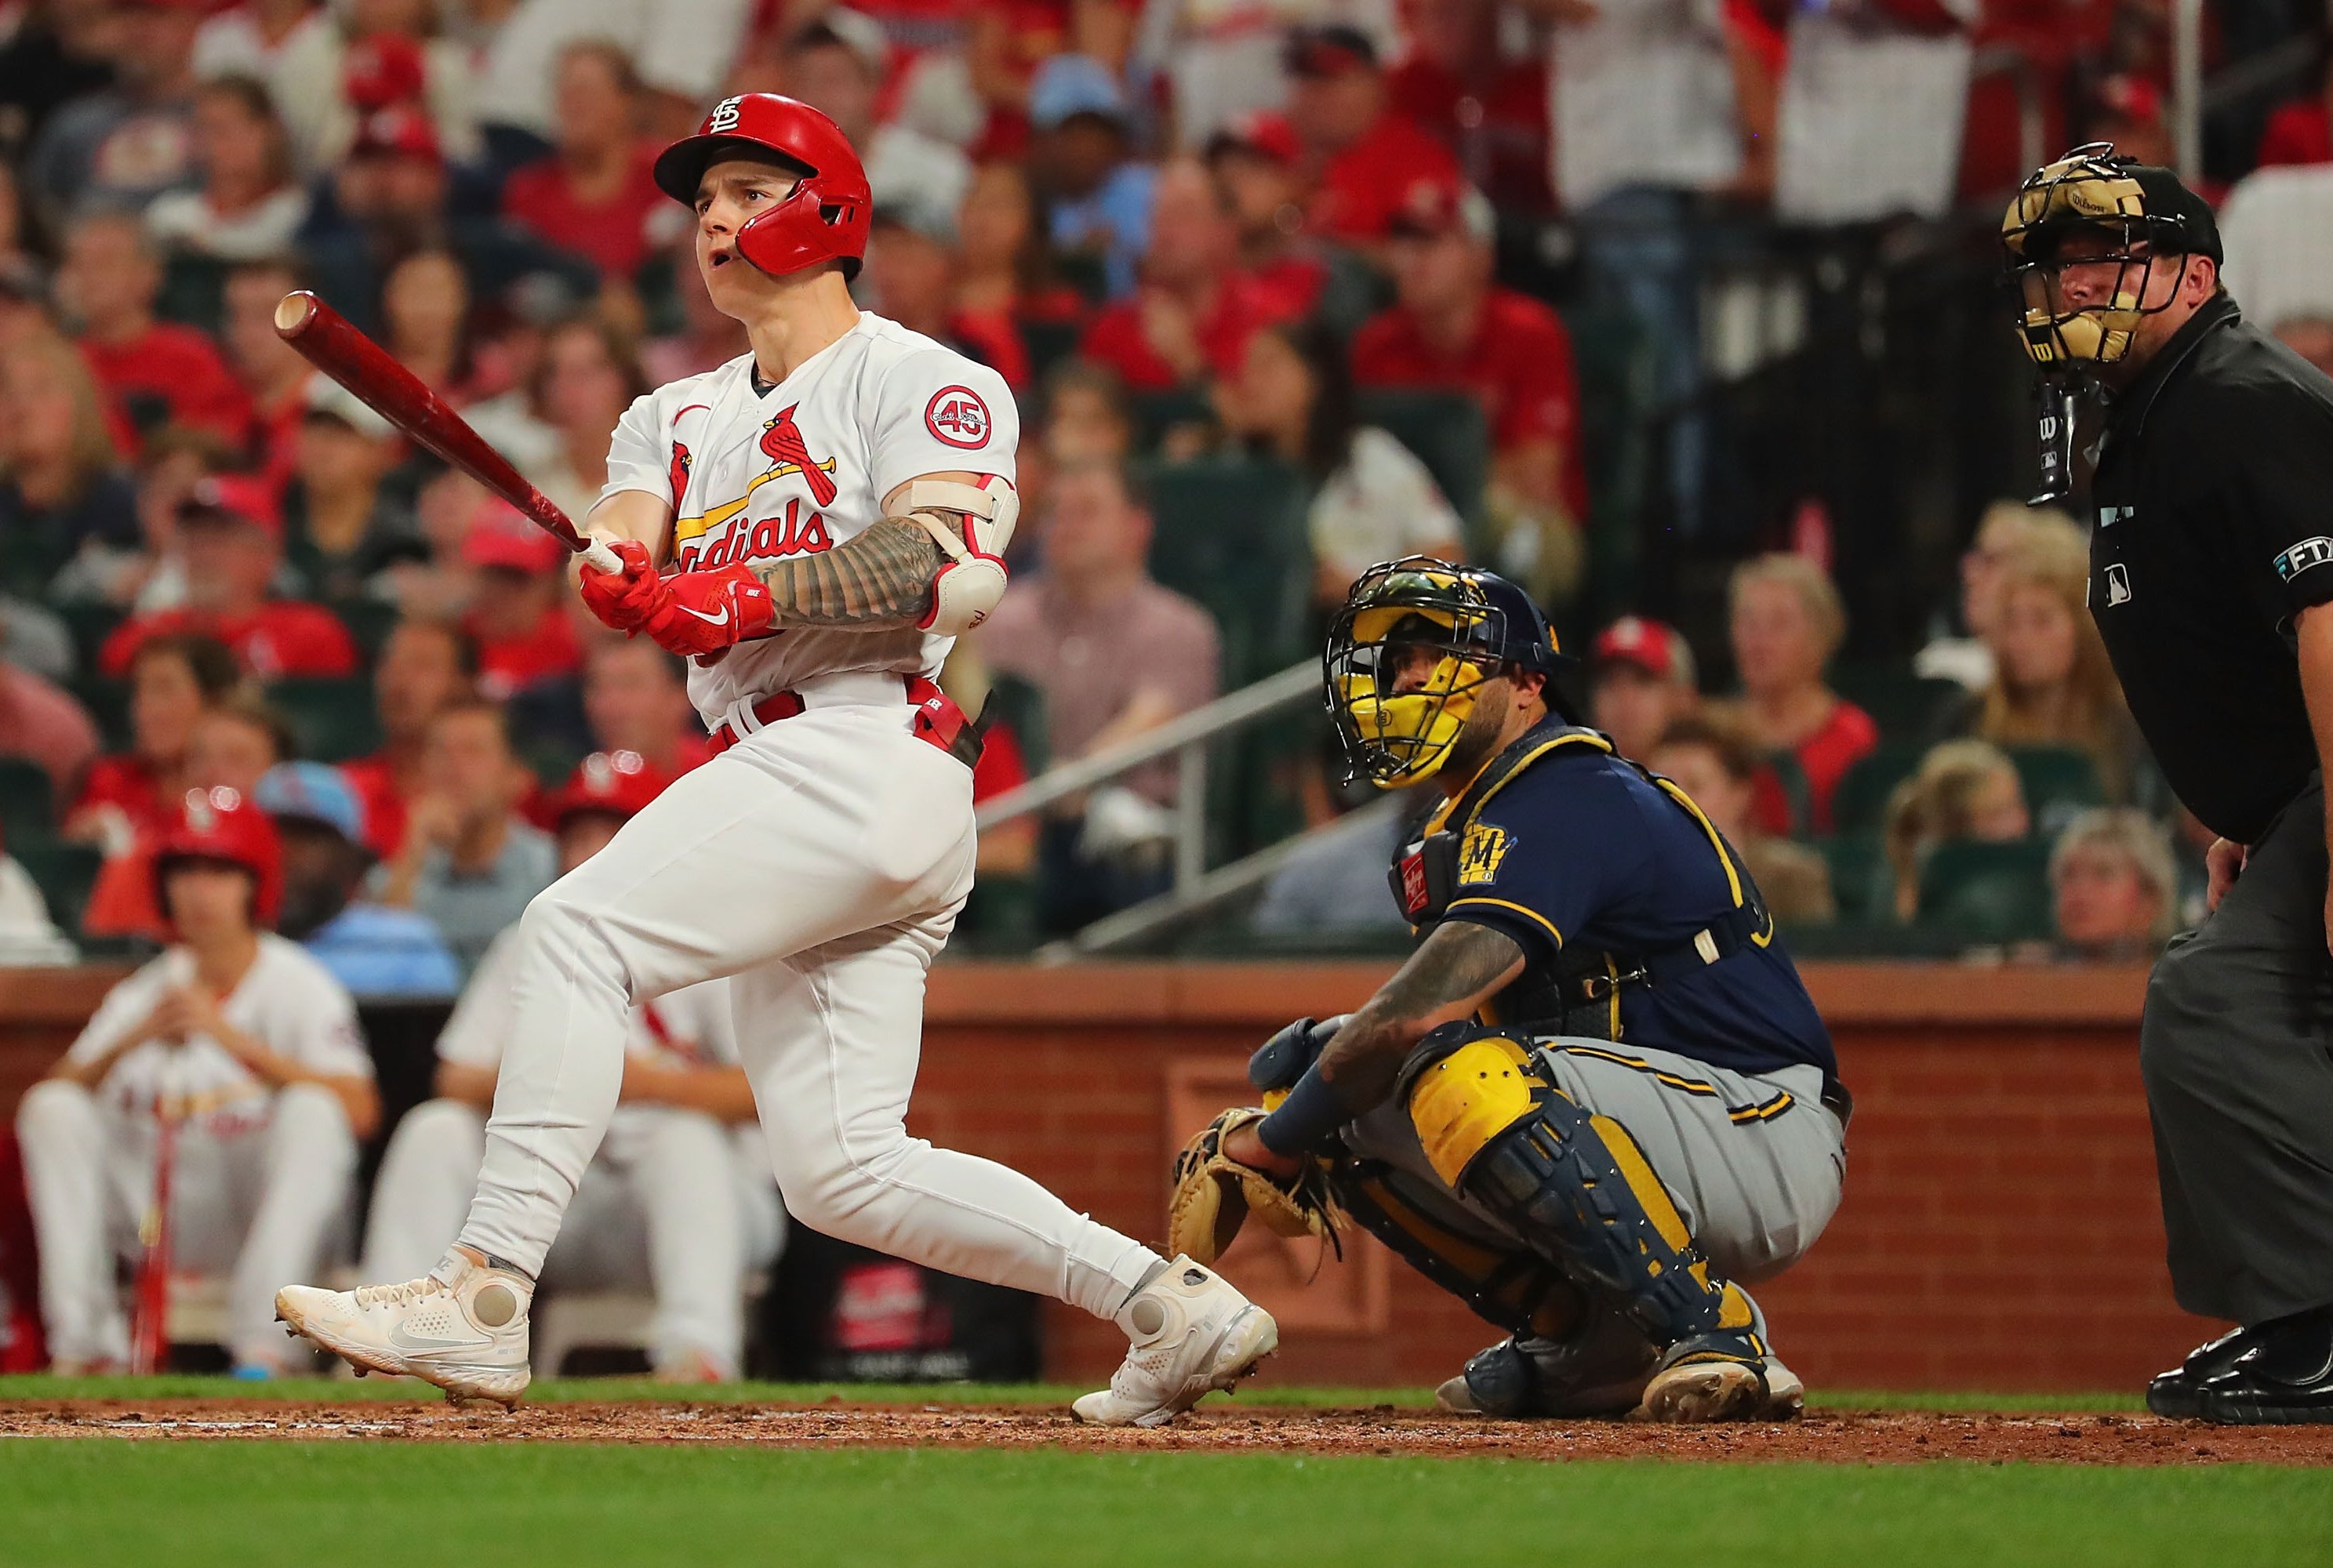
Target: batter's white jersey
<point>286,1000</point>
<point>803,466</point>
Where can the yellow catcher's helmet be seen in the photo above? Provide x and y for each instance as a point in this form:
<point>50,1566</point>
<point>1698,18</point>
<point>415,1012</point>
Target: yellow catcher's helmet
<point>1459,625</point>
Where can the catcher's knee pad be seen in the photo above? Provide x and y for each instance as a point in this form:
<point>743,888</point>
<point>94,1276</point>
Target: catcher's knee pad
<point>1521,1292</point>
<point>1573,1183</point>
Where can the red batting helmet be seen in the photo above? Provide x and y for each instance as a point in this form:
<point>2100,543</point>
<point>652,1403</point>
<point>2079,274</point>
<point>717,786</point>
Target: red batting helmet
<point>218,824</point>
<point>823,219</point>
<point>616,783</point>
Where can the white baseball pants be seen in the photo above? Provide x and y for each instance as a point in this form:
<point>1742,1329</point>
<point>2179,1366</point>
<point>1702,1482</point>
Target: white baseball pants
<point>261,1204</point>
<point>821,861</point>
<point>675,1203</point>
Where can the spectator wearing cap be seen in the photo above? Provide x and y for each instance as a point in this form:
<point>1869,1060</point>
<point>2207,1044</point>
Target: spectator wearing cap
<point>1715,764</point>
<point>836,65</point>
<point>392,58</point>
<point>374,950</point>
<point>635,701</point>
<point>155,372</point>
<point>270,370</point>
<point>122,147</point>
<point>62,487</point>
<point>248,205</point>
<point>594,195</point>
<point>425,667</point>
<point>1099,197</point>
<point>679,1199</point>
<point>151,574</point>
<point>253,1047</point>
<point>173,680</point>
<point>1003,273</point>
<point>1786,621</point>
<point>2113,886</point>
<point>344,523</point>
<point>1192,316</point>
<point>470,861</point>
<point>1361,155</point>
<point>1254,159</point>
<point>1451,326</point>
<point>1454,80</point>
<point>232,534</point>
<point>1292,399</point>
<point>1642,682</point>
<point>910,277</point>
<point>518,616</point>
<point>1011,45</point>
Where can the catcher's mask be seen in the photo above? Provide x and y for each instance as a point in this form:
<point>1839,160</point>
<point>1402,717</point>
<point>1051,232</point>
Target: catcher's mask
<point>2143,214</point>
<point>1409,653</point>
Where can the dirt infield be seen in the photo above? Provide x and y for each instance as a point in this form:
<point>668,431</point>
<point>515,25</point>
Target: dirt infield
<point>1831,1436</point>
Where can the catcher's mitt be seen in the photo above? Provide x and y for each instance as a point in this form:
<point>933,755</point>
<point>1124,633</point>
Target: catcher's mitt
<point>1214,1195</point>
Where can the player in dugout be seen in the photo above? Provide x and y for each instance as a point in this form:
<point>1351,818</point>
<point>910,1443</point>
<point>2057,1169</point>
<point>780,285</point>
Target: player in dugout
<point>1595,1101</point>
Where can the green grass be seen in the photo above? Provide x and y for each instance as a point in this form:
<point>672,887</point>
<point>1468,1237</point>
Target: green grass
<point>252,1505</point>
<point>594,1390</point>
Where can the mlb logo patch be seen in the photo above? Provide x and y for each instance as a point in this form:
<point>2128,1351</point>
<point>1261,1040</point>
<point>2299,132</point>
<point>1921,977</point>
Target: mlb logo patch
<point>2117,583</point>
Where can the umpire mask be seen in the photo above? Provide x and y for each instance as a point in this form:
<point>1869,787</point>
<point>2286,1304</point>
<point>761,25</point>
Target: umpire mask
<point>1409,653</point>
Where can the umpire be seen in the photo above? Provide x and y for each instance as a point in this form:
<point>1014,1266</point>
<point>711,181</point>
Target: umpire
<point>2211,568</point>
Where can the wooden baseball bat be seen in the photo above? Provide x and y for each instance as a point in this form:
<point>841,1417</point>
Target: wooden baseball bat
<point>326,339</point>
<point>150,1339</point>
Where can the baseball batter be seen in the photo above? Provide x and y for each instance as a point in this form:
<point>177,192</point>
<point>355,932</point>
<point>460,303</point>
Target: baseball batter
<point>829,511</point>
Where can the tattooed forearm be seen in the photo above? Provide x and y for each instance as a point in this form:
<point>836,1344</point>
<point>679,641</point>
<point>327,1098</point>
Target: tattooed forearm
<point>879,580</point>
<point>1447,978</point>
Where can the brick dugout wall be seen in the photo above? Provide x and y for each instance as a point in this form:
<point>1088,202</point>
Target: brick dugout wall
<point>2000,1229</point>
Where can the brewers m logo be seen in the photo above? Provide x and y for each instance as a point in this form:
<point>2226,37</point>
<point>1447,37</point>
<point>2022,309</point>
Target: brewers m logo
<point>1481,851</point>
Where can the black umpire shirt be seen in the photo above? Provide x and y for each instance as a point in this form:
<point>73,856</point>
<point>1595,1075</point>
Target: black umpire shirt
<point>2213,528</point>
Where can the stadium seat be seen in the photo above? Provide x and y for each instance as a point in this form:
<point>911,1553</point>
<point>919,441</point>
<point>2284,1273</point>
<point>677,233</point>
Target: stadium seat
<point>2060,782</point>
<point>1157,413</point>
<point>1994,893</point>
<point>1021,706</point>
<point>1907,707</point>
<point>1231,535</point>
<point>64,874</point>
<point>1447,433</point>
<point>90,624</point>
<point>27,812</point>
<point>332,719</point>
<point>369,621</point>
<point>1048,344</point>
<point>1860,879</point>
<point>1859,804</point>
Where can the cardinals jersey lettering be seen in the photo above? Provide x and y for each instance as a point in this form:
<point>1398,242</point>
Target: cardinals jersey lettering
<point>286,1000</point>
<point>756,476</point>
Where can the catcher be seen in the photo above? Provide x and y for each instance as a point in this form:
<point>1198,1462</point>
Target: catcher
<point>1596,1100</point>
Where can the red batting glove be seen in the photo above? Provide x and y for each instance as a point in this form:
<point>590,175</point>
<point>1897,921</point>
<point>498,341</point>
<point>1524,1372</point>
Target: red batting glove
<point>624,599</point>
<point>707,612</point>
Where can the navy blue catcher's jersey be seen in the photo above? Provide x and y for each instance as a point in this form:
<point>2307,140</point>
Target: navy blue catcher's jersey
<point>1580,852</point>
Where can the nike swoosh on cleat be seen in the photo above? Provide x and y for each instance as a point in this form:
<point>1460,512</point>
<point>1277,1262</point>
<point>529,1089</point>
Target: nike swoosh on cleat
<point>720,620</point>
<point>415,1344</point>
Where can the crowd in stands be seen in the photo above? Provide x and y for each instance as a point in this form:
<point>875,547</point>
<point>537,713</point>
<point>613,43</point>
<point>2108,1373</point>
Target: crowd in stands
<point>1264,278</point>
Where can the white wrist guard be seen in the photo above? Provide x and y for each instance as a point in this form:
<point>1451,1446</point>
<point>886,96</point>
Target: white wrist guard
<point>972,581</point>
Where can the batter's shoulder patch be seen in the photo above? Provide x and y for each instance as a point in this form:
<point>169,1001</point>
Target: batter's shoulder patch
<point>959,416</point>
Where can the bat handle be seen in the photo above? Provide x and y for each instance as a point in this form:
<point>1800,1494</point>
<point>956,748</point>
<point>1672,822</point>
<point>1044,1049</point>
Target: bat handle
<point>599,557</point>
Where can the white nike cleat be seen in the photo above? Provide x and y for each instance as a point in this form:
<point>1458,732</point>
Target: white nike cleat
<point>463,1327</point>
<point>1192,1335</point>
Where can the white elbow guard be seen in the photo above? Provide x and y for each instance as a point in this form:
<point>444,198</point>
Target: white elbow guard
<point>972,581</point>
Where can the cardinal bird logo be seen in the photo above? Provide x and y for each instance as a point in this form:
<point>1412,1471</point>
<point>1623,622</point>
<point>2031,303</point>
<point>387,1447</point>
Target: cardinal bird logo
<point>783,444</point>
<point>679,473</point>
